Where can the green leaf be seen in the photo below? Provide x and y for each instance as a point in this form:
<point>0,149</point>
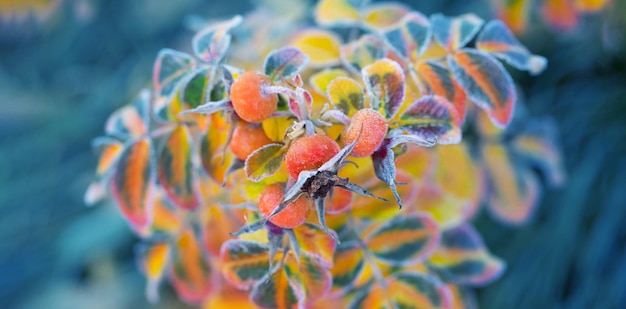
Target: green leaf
<point>498,40</point>
<point>264,161</point>
<point>486,82</point>
<point>279,289</point>
<point>404,240</point>
<point>463,259</point>
<point>384,80</point>
<point>346,95</point>
<point>244,262</point>
<point>171,69</point>
<point>131,120</point>
<point>176,171</point>
<point>315,242</point>
<point>432,118</point>
<point>348,264</point>
<point>285,62</point>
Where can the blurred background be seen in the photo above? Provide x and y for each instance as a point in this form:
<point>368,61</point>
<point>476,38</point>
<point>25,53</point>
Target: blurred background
<point>66,65</point>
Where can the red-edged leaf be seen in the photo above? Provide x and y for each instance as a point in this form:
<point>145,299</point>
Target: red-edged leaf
<point>132,184</point>
<point>410,37</point>
<point>513,190</point>
<point>360,53</point>
<point>409,290</point>
<point>110,151</point>
<point>432,118</point>
<point>463,259</point>
<point>211,43</point>
<point>434,78</point>
<point>486,82</point>
<point>384,80</point>
<point>166,218</point>
<point>315,242</point>
<point>498,40</point>
<point>171,68</point>
<point>285,62</point>
<point>131,120</point>
<point>190,273</point>
<point>244,262</point>
<point>455,32</point>
<point>153,261</point>
<point>176,171</point>
<point>315,278</point>
<point>404,240</point>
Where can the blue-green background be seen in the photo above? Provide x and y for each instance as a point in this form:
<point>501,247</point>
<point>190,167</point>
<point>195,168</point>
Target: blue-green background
<point>59,80</point>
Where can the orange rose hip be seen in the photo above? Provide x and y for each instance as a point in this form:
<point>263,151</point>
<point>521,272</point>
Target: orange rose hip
<point>371,126</point>
<point>309,153</point>
<point>248,98</point>
<point>247,137</point>
<point>292,216</point>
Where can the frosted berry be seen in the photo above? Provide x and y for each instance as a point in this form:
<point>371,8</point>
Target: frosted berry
<point>292,216</point>
<point>249,100</point>
<point>309,153</point>
<point>247,138</point>
<point>371,126</point>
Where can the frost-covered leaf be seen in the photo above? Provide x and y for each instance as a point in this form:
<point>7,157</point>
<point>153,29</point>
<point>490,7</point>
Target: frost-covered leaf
<point>513,190</point>
<point>380,16</point>
<point>153,260</point>
<point>110,150</point>
<point>176,171</point>
<point>320,80</point>
<point>455,32</point>
<point>244,262</point>
<point>315,278</point>
<point>384,80</point>
<point>166,218</point>
<point>211,43</point>
<point>279,290</point>
<point>321,46</point>
<point>360,53</point>
<point>434,78</point>
<point>410,37</point>
<point>497,39</point>
<point>411,290</point>
<point>432,118</point>
<point>171,68</point>
<point>462,258</point>
<point>264,161</point>
<point>315,242</point>
<point>132,183</point>
<point>131,120</point>
<point>348,264</point>
<point>190,274</point>
<point>285,62</point>
<point>486,82</point>
<point>215,160</point>
<point>338,12</point>
<point>404,240</point>
<point>346,95</point>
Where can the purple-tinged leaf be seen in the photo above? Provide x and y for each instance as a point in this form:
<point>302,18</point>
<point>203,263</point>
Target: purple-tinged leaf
<point>285,62</point>
<point>410,37</point>
<point>486,82</point>
<point>462,258</point>
<point>498,40</point>
<point>434,78</point>
<point>455,32</point>
<point>432,118</point>
<point>211,44</point>
<point>360,53</point>
<point>384,80</point>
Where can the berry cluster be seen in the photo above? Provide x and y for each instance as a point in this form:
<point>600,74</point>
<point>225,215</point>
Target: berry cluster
<point>252,187</point>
